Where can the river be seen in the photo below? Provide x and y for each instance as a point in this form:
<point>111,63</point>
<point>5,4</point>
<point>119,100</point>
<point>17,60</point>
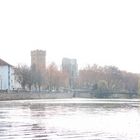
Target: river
<point>70,119</point>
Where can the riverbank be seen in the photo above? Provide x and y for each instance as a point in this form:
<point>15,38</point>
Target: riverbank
<point>30,96</point>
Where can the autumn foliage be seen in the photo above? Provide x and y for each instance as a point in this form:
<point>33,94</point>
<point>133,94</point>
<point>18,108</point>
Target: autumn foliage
<point>111,78</point>
<point>107,78</point>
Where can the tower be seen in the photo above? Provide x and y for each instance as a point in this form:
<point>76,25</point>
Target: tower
<point>38,59</point>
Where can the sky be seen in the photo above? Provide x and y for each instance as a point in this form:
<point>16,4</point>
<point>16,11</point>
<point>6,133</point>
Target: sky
<point>103,32</point>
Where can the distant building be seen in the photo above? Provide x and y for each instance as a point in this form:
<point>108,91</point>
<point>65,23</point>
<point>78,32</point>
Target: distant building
<point>7,78</point>
<point>38,59</point>
<point>70,66</point>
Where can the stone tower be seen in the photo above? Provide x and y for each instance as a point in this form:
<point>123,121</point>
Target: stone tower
<point>38,59</point>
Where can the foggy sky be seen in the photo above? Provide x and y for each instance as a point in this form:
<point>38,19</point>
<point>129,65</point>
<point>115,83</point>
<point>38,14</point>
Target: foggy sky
<point>105,32</point>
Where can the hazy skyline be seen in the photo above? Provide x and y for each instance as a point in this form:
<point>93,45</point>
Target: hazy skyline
<point>94,32</point>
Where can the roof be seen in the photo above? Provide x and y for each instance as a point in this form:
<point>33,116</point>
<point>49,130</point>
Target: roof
<point>3,63</point>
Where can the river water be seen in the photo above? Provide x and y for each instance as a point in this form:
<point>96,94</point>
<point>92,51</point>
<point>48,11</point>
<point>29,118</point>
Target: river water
<point>70,119</point>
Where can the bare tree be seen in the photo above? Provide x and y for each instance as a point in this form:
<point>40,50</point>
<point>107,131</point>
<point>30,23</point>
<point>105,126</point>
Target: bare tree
<point>23,74</point>
<point>56,78</point>
<point>115,79</point>
<point>37,77</point>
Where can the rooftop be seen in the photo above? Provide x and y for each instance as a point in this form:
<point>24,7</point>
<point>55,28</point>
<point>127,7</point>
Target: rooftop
<point>3,63</point>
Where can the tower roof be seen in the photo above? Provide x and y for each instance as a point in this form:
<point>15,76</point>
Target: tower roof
<point>34,52</point>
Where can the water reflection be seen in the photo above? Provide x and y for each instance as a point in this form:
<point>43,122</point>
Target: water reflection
<point>70,119</point>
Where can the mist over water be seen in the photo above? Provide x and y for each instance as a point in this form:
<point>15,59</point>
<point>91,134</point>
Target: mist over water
<point>70,119</point>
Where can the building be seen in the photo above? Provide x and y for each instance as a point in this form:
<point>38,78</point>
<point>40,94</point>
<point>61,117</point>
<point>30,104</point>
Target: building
<point>70,66</point>
<point>38,59</point>
<point>6,76</point>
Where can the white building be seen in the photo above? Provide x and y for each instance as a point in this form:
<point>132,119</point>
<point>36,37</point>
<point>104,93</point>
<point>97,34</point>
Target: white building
<point>6,76</point>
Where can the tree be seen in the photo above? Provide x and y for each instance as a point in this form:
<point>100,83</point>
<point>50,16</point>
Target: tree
<point>23,74</point>
<point>113,77</point>
<point>102,90</point>
<point>116,80</point>
<point>37,77</point>
<point>56,78</point>
<point>27,77</point>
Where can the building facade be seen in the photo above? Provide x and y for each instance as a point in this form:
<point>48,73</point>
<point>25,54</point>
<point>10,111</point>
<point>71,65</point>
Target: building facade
<point>6,76</point>
<point>38,59</point>
<point>70,66</point>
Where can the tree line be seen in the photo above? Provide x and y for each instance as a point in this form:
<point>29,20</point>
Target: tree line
<point>31,78</point>
<point>107,78</point>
